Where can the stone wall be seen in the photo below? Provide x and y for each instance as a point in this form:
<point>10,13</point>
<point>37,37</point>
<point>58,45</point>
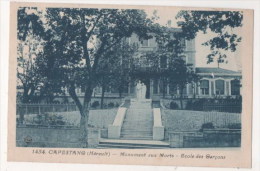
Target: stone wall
<point>54,137</point>
<point>228,138</point>
<point>213,140</point>
<point>186,120</point>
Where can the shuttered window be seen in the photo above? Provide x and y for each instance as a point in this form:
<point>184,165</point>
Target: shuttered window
<point>204,87</point>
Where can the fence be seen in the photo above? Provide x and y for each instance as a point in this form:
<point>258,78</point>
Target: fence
<point>41,109</point>
<point>24,109</point>
<point>220,105</point>
<point>223,107</point>
<point>222,119</point>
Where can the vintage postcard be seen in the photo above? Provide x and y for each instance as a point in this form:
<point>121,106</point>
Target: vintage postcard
<point>132,85</point>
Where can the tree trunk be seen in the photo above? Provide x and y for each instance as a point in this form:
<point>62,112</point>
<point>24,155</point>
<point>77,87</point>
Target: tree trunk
<point>25,97</point>
<point>120,92</point>
<point>102,97</point>
<point>181,93</point>
<point>84,126</point>
<point>147,84</point>
<point>164,89</point>
<point>84,112</point>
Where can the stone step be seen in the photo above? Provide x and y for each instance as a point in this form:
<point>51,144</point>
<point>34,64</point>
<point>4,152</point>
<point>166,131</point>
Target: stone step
<point>119,146</point>
<point>140,136</point>
<point>135,138</point>
<point>132,144</point>
<point>142,129</point>
<point>137,128</point>
<point>138,125</point>
<point>127,147</point>
<point>138,122</point>
<point>136,132</point>
<point>140,107</point>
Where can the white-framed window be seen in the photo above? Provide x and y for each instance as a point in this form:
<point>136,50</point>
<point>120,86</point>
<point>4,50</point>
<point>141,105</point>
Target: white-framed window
<point>163,61</point>
<point>220,87</point>
<point>144,43</point>
<point>204,87</point>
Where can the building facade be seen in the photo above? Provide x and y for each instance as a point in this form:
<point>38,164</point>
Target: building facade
<point>214,82</point>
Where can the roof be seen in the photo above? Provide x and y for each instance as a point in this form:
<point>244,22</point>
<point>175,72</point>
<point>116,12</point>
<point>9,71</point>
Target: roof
<point>207,70</point>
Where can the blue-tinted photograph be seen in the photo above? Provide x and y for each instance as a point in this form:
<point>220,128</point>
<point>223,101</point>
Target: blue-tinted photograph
<point>128,78</point>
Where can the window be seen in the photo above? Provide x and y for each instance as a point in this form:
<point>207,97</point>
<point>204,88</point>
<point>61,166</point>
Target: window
<point>220,89</point>
<point>163,86</point>
<point>77,90</point>
<point>155,86</point>
<point>144,43</point>
<point>163,61</point>
<point>183,43</point>
<point>172,89</point>
<point>235,87</point>
<point>204,87</point>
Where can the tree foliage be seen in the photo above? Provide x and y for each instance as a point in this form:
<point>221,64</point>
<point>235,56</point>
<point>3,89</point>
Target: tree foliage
<point>80,46</point>
<point>29,50</point>
<point>221,23</point>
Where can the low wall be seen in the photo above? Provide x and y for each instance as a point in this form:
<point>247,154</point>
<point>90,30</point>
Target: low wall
<point>114,130</point>
<point>213,140</point>
<point>116,100</point>
<point>60,136</point>
<point>158,129</point>
<point>54,137</point>
<point>205,139</point>
<point>186,120</point>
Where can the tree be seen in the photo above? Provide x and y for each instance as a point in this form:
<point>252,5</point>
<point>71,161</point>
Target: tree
<point>77,43</point>
<point>29,46</point>
<point>113,73</point>
<point>221,23</point>
<point>180,74</point>
<point>167,62</point>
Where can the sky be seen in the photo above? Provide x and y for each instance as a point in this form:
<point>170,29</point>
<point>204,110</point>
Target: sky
<point>201,51</point>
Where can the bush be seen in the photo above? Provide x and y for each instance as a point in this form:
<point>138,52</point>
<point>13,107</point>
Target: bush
<point>208,125</point>
<point>111,105</point>
<point>189,105</point>
<point>95,104</point>
<point>174,105</point>
<point>198,105</point>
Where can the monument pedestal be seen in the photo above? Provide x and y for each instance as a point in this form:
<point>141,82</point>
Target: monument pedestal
<point>141,103</point>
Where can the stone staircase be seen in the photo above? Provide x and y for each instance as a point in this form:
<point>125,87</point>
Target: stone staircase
<point>138,122</point>
<point>137,129</point>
